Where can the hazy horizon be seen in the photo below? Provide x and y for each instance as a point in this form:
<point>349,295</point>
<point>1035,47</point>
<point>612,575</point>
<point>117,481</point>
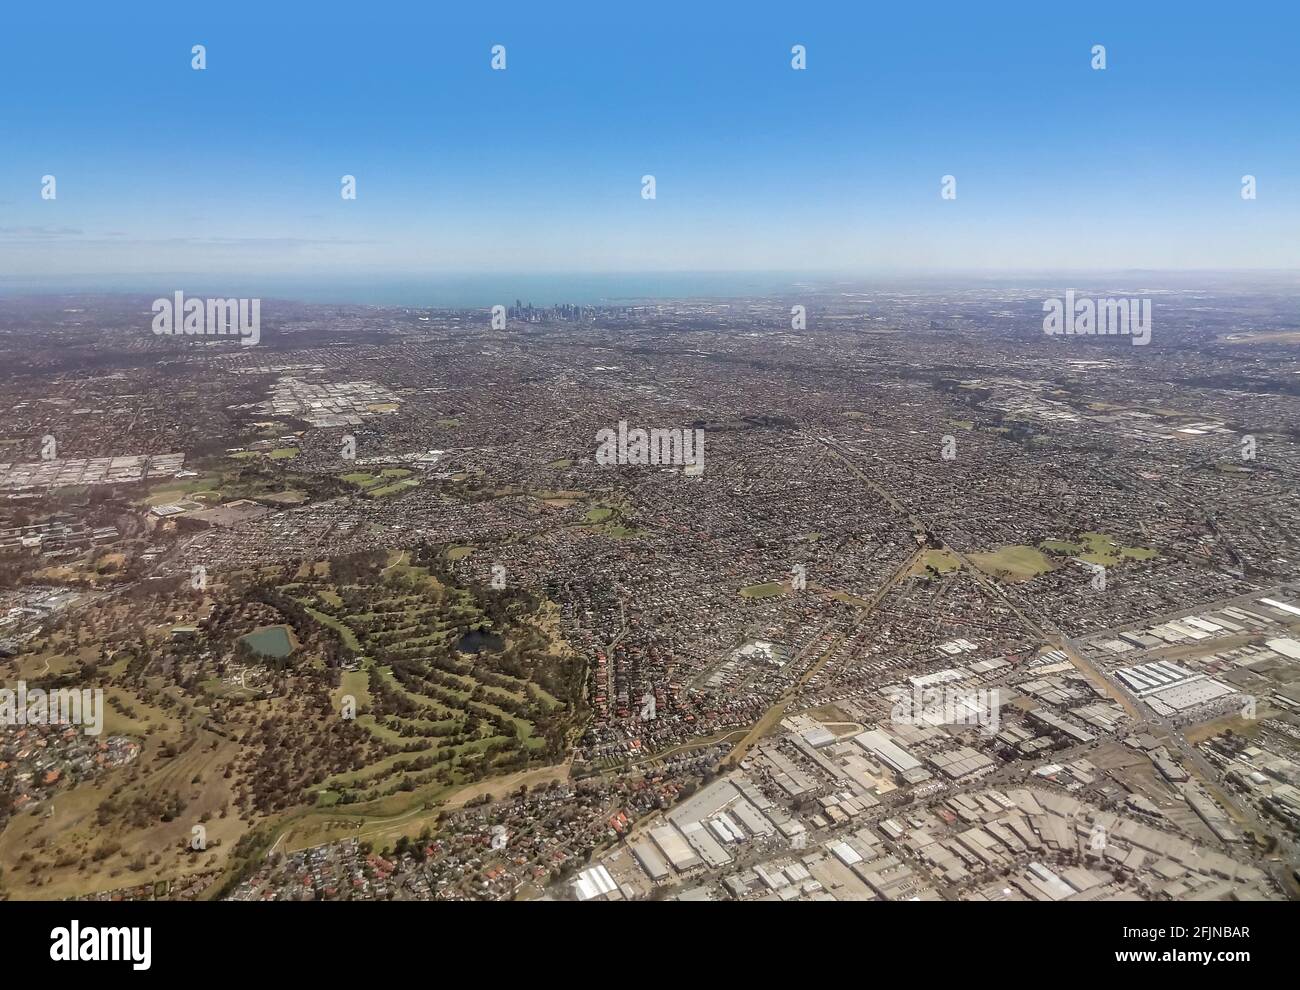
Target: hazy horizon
<point>452,290</point>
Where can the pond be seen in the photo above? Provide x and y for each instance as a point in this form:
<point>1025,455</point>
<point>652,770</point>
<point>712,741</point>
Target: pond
<point>478,641</point>
<point>273,641</point>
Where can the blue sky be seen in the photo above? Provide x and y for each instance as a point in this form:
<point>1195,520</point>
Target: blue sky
<point>758,167</point>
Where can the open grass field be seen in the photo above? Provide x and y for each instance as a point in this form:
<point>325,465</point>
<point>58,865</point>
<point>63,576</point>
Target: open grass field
<point>766,590</point>
<point>1099,548</point>
<point>855,600</point>
<point>389,481</point>
<point>383,491</point>
<point>932,561</point>
<point>293,496</point>
<point>175,489</point>
<point>1013,563</point>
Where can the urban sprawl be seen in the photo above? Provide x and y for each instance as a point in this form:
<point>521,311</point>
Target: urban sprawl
<point>407,604</point>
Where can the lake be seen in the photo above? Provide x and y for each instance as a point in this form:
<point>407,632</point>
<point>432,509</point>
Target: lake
<point>273,641</point>
<point>478,641</point>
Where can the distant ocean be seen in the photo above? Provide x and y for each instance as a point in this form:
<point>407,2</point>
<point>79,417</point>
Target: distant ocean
<point>475,290</point>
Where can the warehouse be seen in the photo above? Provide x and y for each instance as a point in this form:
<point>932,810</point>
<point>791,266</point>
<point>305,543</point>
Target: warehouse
<point>655,868</point>
<point>596,884</point>
<point>884,749</point>
<point>675,848</point>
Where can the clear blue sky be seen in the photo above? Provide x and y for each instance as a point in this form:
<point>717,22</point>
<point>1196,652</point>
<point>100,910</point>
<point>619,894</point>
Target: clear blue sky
<point>537,168</point>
